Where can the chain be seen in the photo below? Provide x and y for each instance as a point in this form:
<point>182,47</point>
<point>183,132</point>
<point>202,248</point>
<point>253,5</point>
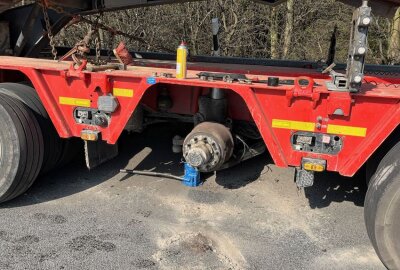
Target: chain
<point>102,26</point>
<point>97,24</point>
<point>97,40</point>
<point>382,73</point>
<point>48,29</point>
<point>374,83</point>
<point>98,52</point>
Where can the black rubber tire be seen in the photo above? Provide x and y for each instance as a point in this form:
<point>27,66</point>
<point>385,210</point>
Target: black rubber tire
<point>54,145</point>
<point>382,209</point>
<point>22,148</point>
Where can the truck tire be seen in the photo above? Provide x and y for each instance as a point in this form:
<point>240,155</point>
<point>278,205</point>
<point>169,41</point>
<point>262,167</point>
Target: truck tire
<point>382,209</point>
<point>53,148</point>
<point>21,148</point>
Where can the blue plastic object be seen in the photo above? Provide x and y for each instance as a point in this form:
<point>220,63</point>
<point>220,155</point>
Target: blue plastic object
<point>192,176</point>
<point>151,80</point>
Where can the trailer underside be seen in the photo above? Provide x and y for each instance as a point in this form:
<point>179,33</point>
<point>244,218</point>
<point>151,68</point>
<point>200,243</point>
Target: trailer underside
<point>352,125</point>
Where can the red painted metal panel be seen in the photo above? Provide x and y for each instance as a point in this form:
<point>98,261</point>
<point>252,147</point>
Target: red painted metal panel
<point>375,110</point>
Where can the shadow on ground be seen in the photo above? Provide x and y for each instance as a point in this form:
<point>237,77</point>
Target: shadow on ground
<point>75,177</point>
<point>331,187</point>
<point>156,143</point>
<point>244,173</point>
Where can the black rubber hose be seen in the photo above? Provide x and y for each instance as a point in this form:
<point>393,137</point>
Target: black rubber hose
<point>166,175</point>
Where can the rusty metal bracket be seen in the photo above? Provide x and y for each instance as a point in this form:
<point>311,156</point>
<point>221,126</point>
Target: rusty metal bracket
<point>76,72</point>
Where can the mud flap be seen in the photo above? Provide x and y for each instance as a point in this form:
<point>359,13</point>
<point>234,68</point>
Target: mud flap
<point>98,152</point>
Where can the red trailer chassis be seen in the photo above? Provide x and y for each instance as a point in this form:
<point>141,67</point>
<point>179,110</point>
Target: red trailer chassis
<point>309,120</point>
<point>367,117</point>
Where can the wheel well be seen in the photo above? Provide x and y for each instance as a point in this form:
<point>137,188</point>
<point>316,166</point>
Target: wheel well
<point>13,76</point>
<point>185,100</point>
<point>373,162</point>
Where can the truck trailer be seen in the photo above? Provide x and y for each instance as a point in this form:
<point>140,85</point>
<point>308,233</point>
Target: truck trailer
<point>339,119</point>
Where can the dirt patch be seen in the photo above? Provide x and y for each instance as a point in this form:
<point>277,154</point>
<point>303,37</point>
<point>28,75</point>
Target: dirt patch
<point>55,219</point>
<point>144,264</point>
<point>134,222</point>
<point>4,236</point>
<point>206,197</point>
<point>22,250</point>
<point>4,265</point>
<point>144,213</point>
<point>361,256</point>
<point>176,251</point>
<point>198,244</point>
<point>28,239</point>
<point>48,256</point>
<point>89,244</point>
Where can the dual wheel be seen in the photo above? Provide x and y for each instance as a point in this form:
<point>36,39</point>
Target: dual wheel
<point>29,143</point>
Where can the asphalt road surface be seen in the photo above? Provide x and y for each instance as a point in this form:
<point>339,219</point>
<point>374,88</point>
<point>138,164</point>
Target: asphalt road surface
<point>248,217</point>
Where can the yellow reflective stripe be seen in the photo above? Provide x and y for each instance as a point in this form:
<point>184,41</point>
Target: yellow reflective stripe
<point>347,130</point>
<point>74,101</point>
<point>122,92</point>
<point>309,126</point>
<point>294,125</point>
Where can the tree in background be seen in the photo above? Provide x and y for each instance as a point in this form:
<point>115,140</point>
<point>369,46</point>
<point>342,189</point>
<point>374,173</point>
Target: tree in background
<point>299,30</point>
<point>393,54</point>
<point>289,25</point>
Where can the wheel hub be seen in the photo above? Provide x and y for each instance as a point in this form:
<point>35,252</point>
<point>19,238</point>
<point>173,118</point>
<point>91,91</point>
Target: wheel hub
<point>208,146</point>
